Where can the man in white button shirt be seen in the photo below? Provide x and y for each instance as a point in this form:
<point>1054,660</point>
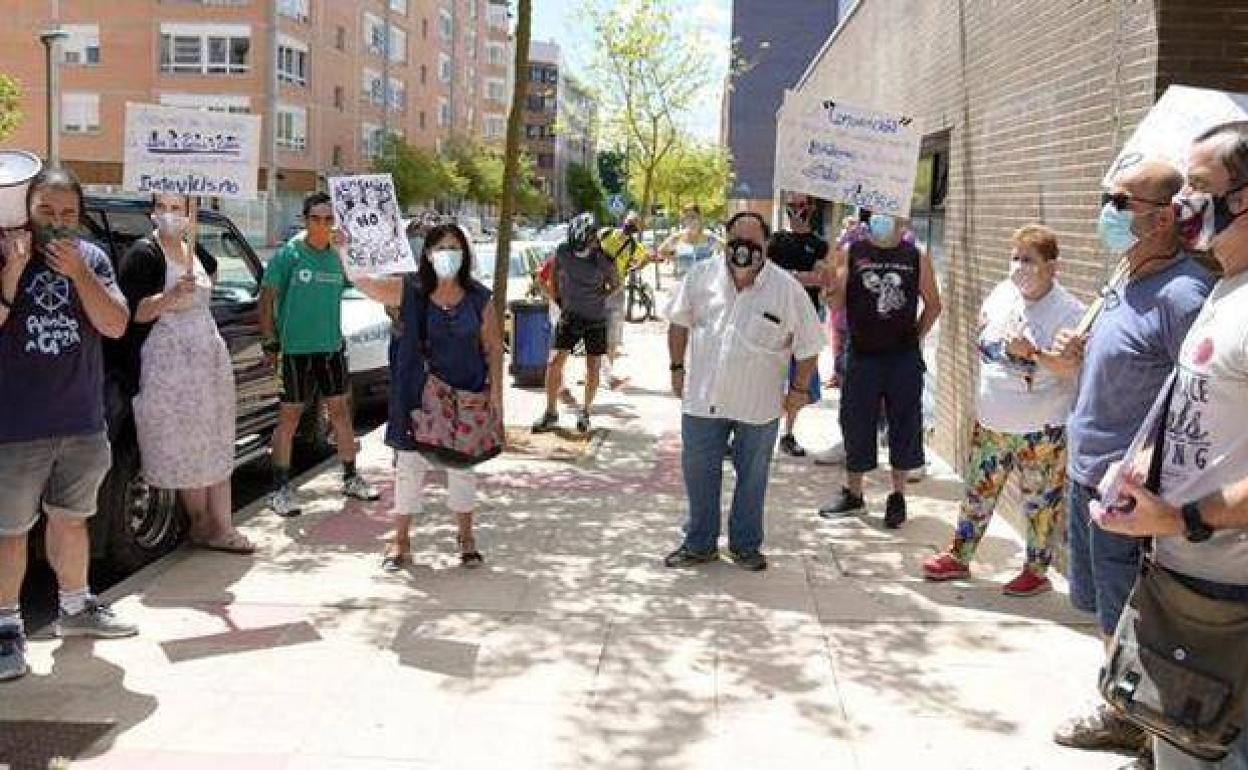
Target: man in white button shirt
<point>735,323</point>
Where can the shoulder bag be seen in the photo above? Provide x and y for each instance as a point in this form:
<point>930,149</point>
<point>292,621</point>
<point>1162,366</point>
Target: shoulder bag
<point>1178,663</point>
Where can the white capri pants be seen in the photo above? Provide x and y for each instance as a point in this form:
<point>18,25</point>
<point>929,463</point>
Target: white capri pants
<point>410,469</point>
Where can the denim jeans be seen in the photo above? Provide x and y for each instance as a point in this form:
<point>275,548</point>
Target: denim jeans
<point>1101,565</point>
<point>705,442</point>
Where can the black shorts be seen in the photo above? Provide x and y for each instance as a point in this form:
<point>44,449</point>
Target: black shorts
<point>313,375</point>
<point>572,330</point>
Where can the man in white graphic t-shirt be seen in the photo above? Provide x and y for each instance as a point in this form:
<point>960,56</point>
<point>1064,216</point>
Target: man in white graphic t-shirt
<point>1200,519</point>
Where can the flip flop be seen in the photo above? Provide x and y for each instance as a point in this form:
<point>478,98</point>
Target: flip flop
<point>235,543</point>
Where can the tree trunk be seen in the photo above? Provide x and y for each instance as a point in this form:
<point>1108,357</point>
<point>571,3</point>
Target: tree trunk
<point>511,160</point>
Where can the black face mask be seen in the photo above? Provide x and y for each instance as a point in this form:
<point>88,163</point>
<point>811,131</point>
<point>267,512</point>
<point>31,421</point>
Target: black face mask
<point>743,254</point>
<point>1222,216</point>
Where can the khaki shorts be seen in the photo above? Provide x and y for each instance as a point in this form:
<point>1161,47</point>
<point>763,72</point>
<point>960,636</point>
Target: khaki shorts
<point>56,476</point>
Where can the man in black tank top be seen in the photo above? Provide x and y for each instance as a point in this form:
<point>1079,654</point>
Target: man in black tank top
<point>892,301</point>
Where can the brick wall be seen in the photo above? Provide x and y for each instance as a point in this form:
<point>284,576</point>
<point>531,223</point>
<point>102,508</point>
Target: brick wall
<point>1036,97</point>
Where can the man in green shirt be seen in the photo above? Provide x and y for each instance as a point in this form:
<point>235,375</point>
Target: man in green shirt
<point>304,284</point>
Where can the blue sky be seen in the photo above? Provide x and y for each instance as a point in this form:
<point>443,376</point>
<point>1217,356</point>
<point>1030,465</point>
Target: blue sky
<point>559,20</point>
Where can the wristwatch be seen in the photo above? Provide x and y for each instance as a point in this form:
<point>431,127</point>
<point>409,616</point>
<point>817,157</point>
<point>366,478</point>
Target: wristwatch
<point>271,346</point>
<point>677,367</point>
<point>1194,526</point>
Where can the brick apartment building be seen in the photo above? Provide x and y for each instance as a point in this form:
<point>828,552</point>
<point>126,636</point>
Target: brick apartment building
<point>560,124</point>
<point>775,40</point>
<point>1023,104</point>
<point>346,72</point>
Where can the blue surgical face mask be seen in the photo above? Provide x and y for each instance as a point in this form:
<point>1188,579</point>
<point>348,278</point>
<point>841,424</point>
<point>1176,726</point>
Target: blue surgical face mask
<point>882,227</point>
<point>446,262</point>
<point>1114,228</point>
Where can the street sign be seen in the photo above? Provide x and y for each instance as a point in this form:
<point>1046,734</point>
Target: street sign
<point>617,205</point>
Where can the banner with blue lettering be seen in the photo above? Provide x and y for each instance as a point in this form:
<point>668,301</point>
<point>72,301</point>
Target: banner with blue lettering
<point>191,152</point>
<point>839,152</point>
<point>367,208</point>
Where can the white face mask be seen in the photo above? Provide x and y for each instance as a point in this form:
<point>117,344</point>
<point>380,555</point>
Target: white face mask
<point>170,224</point>
<point>446,262</point>
<point>1026,276</point>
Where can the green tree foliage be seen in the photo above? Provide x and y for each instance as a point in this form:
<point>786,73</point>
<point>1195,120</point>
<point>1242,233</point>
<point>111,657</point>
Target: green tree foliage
<point>10,105</point>
<point>693,172</point>
<point>650,69</point>
<point>420,176</point>
<point>586,191</point>
<point>612,170</point>
<point>480,166</point>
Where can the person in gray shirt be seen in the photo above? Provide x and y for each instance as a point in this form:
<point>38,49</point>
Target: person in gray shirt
<point>582,279</point>
<point>1200,519</point>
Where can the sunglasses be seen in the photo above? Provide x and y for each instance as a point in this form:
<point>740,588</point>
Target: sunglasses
<point>1121,201</point>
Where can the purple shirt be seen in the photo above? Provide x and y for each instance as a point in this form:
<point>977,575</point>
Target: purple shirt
<point>51,357</point>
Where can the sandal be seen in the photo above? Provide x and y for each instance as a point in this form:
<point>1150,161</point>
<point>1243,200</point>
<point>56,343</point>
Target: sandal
<point>469,556</point>
<point>235,542</point>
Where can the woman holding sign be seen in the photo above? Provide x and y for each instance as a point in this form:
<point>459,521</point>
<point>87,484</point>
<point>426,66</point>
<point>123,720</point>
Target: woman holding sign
<point>179,374</point>
<point>447,335</point>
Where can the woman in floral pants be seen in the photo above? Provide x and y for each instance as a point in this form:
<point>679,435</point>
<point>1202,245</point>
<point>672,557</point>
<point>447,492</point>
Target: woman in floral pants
<point>1025,394</point>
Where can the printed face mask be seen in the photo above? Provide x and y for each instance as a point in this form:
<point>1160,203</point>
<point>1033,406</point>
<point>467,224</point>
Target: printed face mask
<point>1114,228</point>
<point>882,227</point>
<point>744,254</point>
<point>446,262</point>
<point>799,214</point>
<point>170,224</point>
<point>1203,217</point>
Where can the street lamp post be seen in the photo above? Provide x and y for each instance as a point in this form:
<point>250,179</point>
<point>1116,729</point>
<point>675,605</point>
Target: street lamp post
<point>51,38</point>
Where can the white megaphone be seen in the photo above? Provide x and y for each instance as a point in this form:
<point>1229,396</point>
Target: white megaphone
<point>17,168</point>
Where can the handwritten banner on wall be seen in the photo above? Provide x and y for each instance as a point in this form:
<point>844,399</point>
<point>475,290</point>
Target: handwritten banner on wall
<point>191,152</point>
<point>368,209</point>
<point>840,152</point>
<point>1179,116</point>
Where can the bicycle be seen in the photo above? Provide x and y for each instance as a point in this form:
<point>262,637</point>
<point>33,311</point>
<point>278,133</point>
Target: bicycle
<point>639,297</point>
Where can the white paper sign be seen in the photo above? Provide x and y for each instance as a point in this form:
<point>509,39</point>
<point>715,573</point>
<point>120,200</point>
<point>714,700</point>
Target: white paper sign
<point>839,152</point>
<point>1179,116</point>
<point>191,152</point>
<point>368,209</point>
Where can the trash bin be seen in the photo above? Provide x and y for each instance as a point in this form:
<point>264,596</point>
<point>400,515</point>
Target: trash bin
<point>530,341</point>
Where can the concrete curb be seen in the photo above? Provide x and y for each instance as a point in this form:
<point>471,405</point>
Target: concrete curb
<point>148,574</point>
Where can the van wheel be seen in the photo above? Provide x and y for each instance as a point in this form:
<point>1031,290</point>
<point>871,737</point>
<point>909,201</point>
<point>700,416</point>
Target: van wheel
<point>141,523</point>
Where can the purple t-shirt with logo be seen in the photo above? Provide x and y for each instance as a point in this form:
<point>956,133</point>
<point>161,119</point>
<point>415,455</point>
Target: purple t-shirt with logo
<point>51,357</point>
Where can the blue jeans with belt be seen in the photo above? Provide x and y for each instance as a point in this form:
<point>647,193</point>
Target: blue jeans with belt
<point>705,442</point>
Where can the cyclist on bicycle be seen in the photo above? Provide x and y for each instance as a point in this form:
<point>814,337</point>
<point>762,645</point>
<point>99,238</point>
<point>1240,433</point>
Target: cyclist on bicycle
<point>623,245</point>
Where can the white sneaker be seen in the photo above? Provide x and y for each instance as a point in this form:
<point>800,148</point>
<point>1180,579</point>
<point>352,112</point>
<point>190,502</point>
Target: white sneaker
<point>834,456</point>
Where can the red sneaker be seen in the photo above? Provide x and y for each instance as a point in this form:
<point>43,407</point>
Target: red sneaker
<point>945,566</point>
<point>1027,583</point>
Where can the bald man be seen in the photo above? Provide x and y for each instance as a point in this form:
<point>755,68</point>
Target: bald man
<point>1123,361</point>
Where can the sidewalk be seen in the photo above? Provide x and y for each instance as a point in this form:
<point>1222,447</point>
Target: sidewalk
<point>574,647</point>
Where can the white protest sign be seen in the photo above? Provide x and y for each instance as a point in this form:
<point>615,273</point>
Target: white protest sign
<point>1179,116</point>
<point>839,152</point>
<point>191,152</point>
<point>368,209</point>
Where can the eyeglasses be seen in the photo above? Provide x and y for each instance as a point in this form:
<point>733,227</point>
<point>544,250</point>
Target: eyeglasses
<point>1122,201</point>
<point>318,218</point>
